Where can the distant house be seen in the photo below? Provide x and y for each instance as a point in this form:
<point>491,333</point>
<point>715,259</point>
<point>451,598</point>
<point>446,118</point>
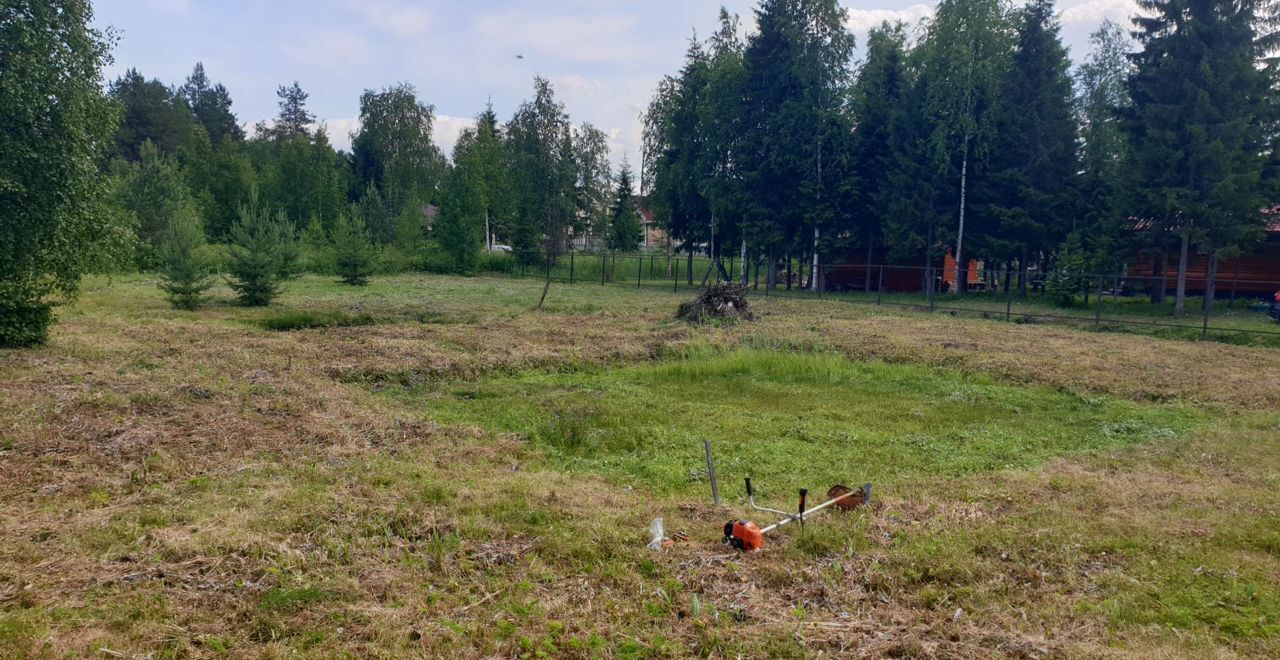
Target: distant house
<point>654,235</point>
<point>1256,273</point>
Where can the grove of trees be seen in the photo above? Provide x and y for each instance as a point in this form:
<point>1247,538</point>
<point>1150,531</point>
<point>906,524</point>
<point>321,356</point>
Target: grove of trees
<point>970,133</point>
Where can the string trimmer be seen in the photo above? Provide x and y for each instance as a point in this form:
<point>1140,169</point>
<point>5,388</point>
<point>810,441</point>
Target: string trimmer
<point>749,537</point>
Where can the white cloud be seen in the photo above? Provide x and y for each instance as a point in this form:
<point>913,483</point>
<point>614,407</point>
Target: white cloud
<point>340,131</point>
<point>399,18</point>
<point>861,21</point>
<point>1091,12</point>
<point>612,104</point>
<point>446,130</point>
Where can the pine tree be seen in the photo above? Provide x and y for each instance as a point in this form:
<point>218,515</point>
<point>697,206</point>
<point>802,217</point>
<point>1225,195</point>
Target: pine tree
<point>153,111</point>
<point>184,269</point>
<point>264,253</point>
<point>352,251</point>
<point>301,177</point>
<point>294,119</point>
<point>315,255</point>
<point>155,191</point>
<point>625,229</point>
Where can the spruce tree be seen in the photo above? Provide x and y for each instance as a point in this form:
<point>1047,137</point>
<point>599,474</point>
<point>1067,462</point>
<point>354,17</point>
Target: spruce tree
<point>1198,127</point>
<point>211,105</point>
<point>794,148</point>
<point>878,94</point>
<point>625,229</point>
<point>184,269</point>
<point>264,253</point>
<point>352,250</point>
<point>1102,95</point>
<point>1030,196</point>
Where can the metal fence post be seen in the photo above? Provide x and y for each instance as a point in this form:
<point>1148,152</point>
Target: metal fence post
<point>639,270</point>
<point>1008,294</point>
<point>604,268</point>
<point>675,277</point>
<point>933,288</point>
<point>711,473</point>
<point>570,268</point>
<point>880,289</point>
<point>1204,328</point>
<point>1097,314</point>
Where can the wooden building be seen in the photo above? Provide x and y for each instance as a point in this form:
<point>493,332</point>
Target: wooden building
<point>1254,274</point>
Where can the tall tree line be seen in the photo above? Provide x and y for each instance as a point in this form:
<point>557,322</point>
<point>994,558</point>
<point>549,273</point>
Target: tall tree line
<point>970,134</point>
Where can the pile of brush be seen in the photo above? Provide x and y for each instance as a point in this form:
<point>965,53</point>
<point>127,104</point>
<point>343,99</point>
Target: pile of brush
<point>722,301</point>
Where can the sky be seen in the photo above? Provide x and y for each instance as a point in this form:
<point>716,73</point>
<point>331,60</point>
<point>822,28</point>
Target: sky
<point>604,57</point>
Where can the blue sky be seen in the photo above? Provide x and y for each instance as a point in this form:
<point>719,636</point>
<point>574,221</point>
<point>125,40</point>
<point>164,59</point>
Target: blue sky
<point>604,57</point>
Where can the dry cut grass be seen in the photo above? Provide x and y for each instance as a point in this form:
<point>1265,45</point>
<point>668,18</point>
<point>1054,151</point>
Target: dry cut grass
<point>177,485</point>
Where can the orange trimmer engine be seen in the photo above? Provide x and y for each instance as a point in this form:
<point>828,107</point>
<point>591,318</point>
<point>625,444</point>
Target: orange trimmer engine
<point>743,535</point>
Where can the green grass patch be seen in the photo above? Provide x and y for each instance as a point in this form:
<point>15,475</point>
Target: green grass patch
<point>305,319</point>
<point>791,419</point>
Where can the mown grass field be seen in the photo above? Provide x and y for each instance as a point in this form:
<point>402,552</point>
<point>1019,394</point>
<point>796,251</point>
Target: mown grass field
<point>429,466</point>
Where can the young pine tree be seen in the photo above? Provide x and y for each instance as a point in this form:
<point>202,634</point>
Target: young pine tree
<point>264,253</point>
<point>352,250</point>
<point>184,270</point>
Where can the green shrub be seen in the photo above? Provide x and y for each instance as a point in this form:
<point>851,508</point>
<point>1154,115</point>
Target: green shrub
<point>497,262</point>
<point>24,324</point>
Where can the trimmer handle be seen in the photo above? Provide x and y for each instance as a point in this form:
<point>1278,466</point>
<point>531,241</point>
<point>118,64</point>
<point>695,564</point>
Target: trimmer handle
<point>804,495</point>
<point>749,487</point>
